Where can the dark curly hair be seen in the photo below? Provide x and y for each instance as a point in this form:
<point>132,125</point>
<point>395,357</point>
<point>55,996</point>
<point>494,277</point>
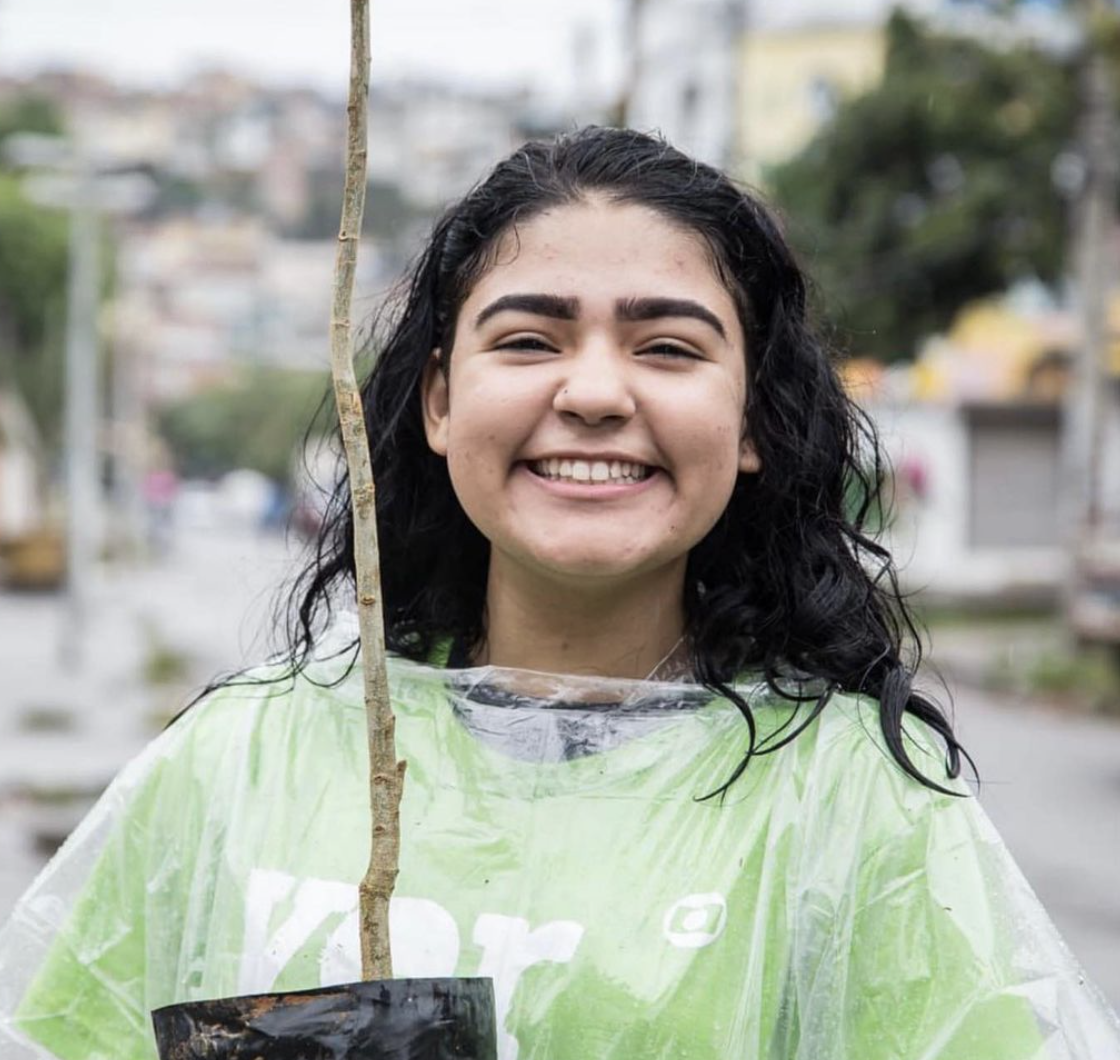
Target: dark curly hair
<point>789,581</point>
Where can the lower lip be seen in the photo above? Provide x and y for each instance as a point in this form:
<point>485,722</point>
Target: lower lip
<point>604,491</point>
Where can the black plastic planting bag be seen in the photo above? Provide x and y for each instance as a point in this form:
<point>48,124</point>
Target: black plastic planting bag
<point>396,1019</point>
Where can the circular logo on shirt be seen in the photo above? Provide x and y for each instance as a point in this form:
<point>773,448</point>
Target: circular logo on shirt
<point>695,920</point>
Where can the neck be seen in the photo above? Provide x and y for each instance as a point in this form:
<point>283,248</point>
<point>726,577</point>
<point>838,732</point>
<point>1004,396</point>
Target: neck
<point>625,630</point>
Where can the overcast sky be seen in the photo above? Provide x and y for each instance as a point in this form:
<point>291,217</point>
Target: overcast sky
<point>484,42</point>
<point>155,41</point>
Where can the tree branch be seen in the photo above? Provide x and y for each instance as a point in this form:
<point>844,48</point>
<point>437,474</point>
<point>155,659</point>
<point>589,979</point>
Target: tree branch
<point>385,772</point>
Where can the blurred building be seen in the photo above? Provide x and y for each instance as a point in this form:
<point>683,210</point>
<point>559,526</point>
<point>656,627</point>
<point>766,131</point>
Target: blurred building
<point>689,72</point>
<point>793,78</point>
<point>975,432</point>
<point>200,300</point>
<point>434,141</point>
<point>746,85</point>
<point>21,479</point>
<point>233,261</point>
<point>31,545</point>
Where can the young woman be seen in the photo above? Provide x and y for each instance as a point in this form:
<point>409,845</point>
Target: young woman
<point>669,783</point>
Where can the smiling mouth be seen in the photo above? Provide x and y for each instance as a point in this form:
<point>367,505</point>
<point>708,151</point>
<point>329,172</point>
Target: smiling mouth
<point>591,472</point>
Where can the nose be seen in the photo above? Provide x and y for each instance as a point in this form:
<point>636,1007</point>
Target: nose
<point>596,387</point>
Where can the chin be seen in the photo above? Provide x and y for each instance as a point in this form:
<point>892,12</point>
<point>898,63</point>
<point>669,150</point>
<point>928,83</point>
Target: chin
<point>580,566</point>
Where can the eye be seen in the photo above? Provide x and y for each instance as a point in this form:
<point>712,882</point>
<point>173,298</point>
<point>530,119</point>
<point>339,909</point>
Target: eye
<point>672,350</point>
<point>526,342</point>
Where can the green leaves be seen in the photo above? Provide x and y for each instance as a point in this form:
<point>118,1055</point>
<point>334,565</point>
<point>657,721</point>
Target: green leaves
<point>33,266</point>
<point>932,189</point>
<point>257,422</point>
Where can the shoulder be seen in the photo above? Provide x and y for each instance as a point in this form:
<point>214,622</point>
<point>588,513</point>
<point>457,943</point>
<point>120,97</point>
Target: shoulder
<point>852,727</point>
<point>862,824</point>
<point>274,703</point>
<point>862,798</point>
<point>847,771</point>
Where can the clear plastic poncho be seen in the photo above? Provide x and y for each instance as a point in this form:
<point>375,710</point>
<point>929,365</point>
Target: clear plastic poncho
<point>554,839</point>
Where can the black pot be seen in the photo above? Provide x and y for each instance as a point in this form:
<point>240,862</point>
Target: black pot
<point>388,1019</point>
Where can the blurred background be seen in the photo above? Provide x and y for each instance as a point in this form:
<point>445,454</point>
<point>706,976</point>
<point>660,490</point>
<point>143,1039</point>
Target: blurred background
<point>170,180</point>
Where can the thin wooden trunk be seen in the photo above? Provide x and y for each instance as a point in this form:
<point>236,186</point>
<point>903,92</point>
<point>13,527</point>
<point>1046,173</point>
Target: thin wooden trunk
<point>385,772</point>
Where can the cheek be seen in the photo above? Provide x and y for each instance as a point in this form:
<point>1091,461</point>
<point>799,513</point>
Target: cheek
<point>468,472</point>
<point>478,460</point>
<point>711,440</point>
<point>713,459</point>
<point>729,431</point>
<point>493,409</point>
<point>723,466</point>
<point>472,488</point>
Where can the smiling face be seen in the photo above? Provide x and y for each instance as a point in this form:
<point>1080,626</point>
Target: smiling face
<point>592,415</point>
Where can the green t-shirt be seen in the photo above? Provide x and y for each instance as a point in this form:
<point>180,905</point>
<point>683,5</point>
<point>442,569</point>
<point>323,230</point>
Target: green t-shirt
<point>829,907</point>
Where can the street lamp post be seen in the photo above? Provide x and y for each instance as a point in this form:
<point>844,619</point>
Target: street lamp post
<point>61,174</point>
<point>1091,603</point>
<point>83,521</point>
<point>1096,225</point>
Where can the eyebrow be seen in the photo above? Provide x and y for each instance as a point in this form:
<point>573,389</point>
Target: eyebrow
<point>541,305</point>
<point>628,309</point>
<point>635,309</point>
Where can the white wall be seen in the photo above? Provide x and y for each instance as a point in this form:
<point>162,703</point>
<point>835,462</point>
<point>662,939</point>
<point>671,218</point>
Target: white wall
<point>690,56</point>
<point>19,508</point>
<point>930,535</point>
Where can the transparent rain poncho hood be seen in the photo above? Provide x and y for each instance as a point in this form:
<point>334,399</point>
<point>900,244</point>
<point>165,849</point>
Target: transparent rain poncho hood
<point>829,907</point>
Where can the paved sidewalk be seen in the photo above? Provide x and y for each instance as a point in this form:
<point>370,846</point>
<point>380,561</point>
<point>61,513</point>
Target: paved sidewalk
<point>1050,781</point>
<point>65,731</point>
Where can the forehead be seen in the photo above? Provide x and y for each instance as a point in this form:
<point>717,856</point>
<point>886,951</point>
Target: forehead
<point>600,250</point>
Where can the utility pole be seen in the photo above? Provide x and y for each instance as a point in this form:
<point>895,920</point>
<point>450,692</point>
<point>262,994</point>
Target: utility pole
<point>82,382</point>
<point>1091,606</point>
<point>60,173</point>
<point>736,14</point>
<point>1096,273</point>
<point>129,436</point>
<point>632,74</point>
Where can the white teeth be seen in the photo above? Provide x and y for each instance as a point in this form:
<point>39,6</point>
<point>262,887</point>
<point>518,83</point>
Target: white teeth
<point>587,471</point>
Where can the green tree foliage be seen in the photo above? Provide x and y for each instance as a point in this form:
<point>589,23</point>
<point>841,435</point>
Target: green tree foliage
<point>932,189</point>
<point>257,422</point>
<point>33,265</point>
<point>30,113</point>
